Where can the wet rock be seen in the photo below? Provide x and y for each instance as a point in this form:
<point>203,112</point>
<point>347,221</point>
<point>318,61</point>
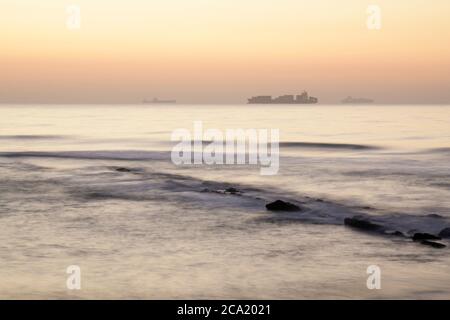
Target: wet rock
<point>362,223</point>
<point>395,233</point>
<point>280,205</point>
<point>433,244</point>
<point>122,169</point>
<point>232,190</point>
<point>411,232</point>
<point>424,236</point>
<point>445,233</point>
<point>434,215</point>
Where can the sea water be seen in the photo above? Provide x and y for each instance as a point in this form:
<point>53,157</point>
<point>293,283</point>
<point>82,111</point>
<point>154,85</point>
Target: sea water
<point>153,229</point>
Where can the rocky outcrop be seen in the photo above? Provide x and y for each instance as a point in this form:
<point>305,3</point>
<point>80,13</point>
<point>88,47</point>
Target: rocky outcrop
<point>424,236</point>
<point>232,190</point>
<point>362,223</point>
<point>433,244</point>
<point>280,205</point>
<point>434,215</point>
<point>445,233</point>
<point>395,233</point>
<point>122,169</point>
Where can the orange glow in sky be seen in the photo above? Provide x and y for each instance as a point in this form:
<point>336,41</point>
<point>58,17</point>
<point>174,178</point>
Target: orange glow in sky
<point>223,50</point>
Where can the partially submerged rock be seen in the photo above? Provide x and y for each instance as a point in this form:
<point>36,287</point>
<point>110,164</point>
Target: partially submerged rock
<point>395,233</point>
<point>123,169</point>
<point>232,190</point>
<point>362,223</point>
<point>280,205</point>
<point>445,233</point>
<point>424,236</point>
<point>433,244</point>
<point>434,215</point>
<point>227,191</point>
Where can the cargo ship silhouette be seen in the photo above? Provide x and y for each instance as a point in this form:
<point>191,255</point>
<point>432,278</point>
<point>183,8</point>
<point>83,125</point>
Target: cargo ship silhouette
<point>157,101</point>
<point>351,100</point>
<point>285,99</point>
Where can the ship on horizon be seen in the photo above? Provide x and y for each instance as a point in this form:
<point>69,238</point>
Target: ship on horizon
<point>351,100</point>
<point>285,99</point>
<point>157,101</point>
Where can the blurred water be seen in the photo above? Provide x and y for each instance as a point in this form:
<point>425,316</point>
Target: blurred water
<point>154,233</point>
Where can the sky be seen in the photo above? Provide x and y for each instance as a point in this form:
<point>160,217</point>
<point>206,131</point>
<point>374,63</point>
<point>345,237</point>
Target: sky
<point>223,51</point>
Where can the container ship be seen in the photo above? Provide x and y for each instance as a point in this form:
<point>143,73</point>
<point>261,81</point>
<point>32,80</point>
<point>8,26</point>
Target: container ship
<point>157,101</point>
<point>286,99</point>
<point>351,100</point>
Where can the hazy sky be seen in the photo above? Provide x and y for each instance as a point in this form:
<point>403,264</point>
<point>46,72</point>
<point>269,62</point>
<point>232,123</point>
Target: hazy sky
<point>223,50</point>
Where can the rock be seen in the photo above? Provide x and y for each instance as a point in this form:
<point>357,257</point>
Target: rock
<point>362,223</point>
<point>424,236</point>
<point>433,244</point>
<point>395,233</point>
<point>280,205</point>
<point>445,233</point>
<point>434,215</point>
<point>411,232</point>
<point>121,169</point>
<point>232,190</point>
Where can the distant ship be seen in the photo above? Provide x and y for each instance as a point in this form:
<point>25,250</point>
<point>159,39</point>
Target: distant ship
<point>350,100</point>
<point>286,99</point>
<point>156,101</point>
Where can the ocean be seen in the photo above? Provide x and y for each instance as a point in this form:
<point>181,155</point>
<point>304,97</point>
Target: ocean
<point>94,186</point>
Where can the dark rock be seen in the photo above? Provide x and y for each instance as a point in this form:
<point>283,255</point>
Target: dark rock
<point>395,233</point>
<point>121,169</point>
<point>424,236</point>
<point>433,244</point>
<point>232,190</point>
<point>412,231</point>
<point>434,215</point>
<point>445,233</point>
<point>362,223</point>
<point>280,205</point>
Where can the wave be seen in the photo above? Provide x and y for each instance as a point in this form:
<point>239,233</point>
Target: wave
<point>32,137</point>
<point>184,191</point>
<point>128,155</point>
<point>167,189</point>
<point>439,150</point>
<point>315,145</point>
<point>325,145</point>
